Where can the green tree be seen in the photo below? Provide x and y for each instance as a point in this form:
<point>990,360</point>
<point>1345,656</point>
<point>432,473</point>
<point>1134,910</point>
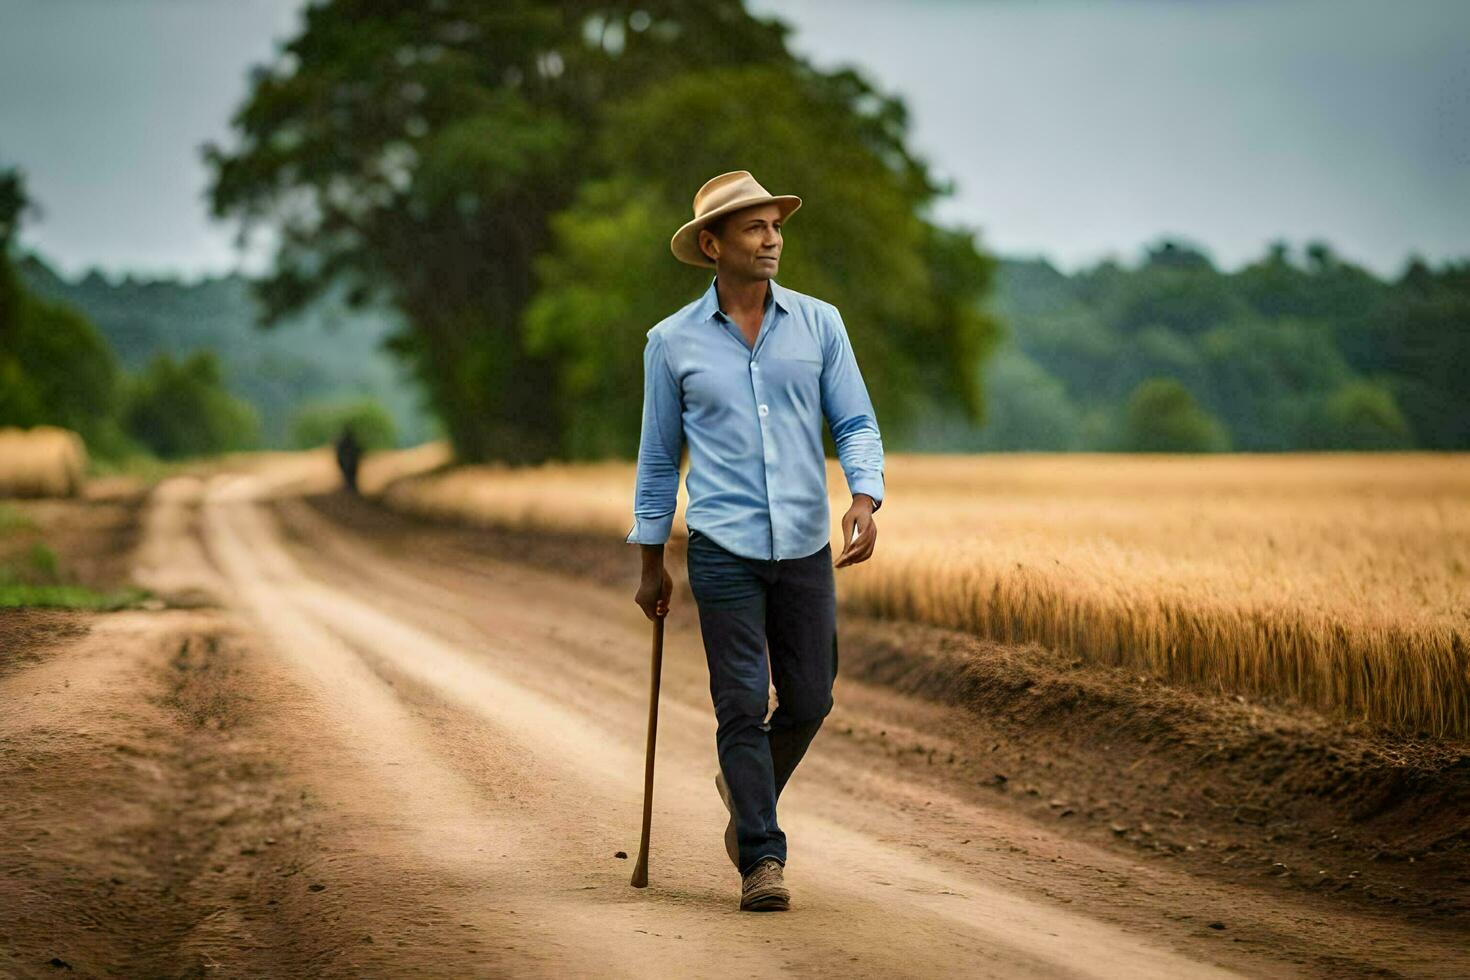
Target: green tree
<point>1326,288</point>
<point>908,291</point>
<point>1027,408</point>
<point>1162,417</point>
<point>55,368</point>
<point>1177,288</point>
<point>1417,340</point>
<point>420,149</point>
<point>320,423</point>
<point>1358,415</point>
<point>1263,377</point>
<point>180,408</point>
<point>416,149</point>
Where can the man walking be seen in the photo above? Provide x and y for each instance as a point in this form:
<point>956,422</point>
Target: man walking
<point>744,376</point>
<point>349,455</point>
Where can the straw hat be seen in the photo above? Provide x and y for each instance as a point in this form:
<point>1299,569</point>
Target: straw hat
<point>721,195</point>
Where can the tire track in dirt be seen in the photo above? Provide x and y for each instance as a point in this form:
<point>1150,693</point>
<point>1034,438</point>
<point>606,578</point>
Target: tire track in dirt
<point>418,762</point>
<point>869,768</point>
<point>893,912</point>
<point>152,829</point>
<point>589,937</point>
<point>591,648</point>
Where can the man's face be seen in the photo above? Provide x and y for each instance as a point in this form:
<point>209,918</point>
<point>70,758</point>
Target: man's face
<point>749,243</point>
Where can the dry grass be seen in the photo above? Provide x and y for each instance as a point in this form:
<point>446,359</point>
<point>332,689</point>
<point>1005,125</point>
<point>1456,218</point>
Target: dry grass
<point>41,462</point>
<point>1340,581</point>
<point>589,497</point>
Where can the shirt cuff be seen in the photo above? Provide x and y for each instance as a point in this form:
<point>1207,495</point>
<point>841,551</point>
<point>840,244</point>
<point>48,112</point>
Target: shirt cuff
<point>870,484</point>
<point>650,530</point>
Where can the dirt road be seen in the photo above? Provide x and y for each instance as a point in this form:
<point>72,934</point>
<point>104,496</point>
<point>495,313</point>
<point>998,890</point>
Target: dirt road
<point>353,759</point>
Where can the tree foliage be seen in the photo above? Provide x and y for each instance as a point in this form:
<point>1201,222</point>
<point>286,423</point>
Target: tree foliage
<point>434,153</point>
<point>321,423</point>
<point>1309,352</point>
<point>321,352</point>
<point>1359,415</point>
<point>1164,418</point>
<point>180,408</point>
<point>909,292</point>
<point>55,368</point>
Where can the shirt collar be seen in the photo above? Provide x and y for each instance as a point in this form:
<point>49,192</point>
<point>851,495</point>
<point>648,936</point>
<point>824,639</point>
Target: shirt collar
<point>710,303</point>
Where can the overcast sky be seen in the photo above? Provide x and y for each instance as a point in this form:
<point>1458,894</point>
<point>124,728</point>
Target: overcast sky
<point>1072,129</point>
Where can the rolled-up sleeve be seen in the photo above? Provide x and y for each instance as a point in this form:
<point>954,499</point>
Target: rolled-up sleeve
<point>656,492</point>
<point>850,414</point>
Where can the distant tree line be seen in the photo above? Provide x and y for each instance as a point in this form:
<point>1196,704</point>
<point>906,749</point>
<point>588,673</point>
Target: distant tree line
<point>322,356</point>
<point>1287,353</point>
<point>57,368</point>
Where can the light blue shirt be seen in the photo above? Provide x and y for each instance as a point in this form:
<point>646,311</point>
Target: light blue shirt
<point>752,419</point>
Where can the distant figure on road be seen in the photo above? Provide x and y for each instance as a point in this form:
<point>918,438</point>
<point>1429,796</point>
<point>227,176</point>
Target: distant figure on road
<point>745,376</point>
<point>349,453</point>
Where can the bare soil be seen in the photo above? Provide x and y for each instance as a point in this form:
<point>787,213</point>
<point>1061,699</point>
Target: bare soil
<point>1253,792</point>
<point>362,745</point>
<point>93,536</point>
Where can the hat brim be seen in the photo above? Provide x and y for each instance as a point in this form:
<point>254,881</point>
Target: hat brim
<point>685,243</point>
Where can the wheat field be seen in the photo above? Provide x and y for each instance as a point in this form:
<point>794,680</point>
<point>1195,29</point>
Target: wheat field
<point>1336,580</point>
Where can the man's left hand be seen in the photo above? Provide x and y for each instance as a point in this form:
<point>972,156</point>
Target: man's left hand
<point>859,516</point>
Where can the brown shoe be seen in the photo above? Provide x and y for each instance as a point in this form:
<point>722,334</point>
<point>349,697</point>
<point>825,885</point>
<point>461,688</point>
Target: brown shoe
<point>732,842</point>
<point>764,889</point>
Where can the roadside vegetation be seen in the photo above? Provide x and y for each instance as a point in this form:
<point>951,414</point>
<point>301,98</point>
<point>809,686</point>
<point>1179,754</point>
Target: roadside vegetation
<point>33,574</point>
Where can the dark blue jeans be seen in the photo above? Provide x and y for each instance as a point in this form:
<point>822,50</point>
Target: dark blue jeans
<point>746,605</point>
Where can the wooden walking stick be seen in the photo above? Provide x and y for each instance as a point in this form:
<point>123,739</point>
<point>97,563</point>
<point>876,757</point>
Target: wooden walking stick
<point>640,870</point>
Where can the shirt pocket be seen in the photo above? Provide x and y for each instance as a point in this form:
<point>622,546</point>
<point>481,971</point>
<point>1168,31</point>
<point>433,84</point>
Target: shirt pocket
<point>796,375</point>
<point>798,349</point>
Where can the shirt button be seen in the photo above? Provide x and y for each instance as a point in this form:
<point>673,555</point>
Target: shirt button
<point>755,367</point>
<point>762,410</point>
